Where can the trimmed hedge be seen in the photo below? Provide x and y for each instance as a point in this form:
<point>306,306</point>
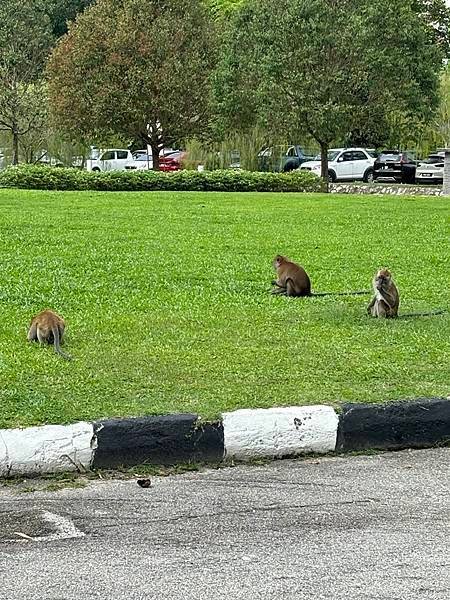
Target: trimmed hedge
<point>40,177</point>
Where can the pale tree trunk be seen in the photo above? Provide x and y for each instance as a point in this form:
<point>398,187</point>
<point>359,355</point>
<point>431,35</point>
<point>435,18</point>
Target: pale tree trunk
<point>324,164</point>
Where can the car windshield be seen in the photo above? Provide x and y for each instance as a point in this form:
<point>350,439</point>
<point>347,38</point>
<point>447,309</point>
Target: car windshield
<point>434,159</point>
<point>331,155</point>
<point>390,156</point>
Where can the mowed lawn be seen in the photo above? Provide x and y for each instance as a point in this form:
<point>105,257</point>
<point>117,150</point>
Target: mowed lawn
<point>167,306</point>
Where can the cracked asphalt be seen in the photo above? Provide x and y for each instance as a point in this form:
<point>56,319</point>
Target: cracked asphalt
<point>354,527</point>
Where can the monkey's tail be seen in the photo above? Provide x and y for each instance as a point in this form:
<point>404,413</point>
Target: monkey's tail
<point>439,311</point>
<point>357,293</point>
<point>58,350</point>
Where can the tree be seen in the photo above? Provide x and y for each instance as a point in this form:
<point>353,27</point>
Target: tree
<point>25,40</point>
<point>223,7</point>
<point>325,67</point>
<point>61,12</point>
<point>133,68</point>
<point>442,120</point>
<point>437,15</point>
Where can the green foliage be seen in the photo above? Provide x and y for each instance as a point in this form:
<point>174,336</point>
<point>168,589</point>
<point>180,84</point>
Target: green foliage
<point>422,137</point>
<point>63,11</point>
<point>248,147</point>
<point>136,69</point>
<point>235,149</point>
<point>25,41</point>
<point>47,178</point>
<point>437,15</point>
<point>327,68</point>
<point>441,123</point>
<point>167,304</point>
<point>223,7</point>
<point>197,153</point>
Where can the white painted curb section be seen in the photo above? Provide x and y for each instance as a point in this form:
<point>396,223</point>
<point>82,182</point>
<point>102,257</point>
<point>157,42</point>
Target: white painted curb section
<point>46,449</point>
<point>277,432</point>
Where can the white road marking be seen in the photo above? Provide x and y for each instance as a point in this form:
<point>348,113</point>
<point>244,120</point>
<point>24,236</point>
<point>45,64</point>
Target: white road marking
<point>65,528</point>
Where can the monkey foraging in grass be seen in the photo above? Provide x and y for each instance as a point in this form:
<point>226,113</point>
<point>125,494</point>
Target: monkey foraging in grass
<point>293,280</point>
<point>48,326</point>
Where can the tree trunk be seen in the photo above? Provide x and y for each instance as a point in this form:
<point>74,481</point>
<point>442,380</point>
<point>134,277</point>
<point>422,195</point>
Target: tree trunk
<point>15,134</point>
<point>324,164</point>
<point>155,155</point>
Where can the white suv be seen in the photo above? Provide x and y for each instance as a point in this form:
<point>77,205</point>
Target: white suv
<point>114,159</point>
<point>345,164</point>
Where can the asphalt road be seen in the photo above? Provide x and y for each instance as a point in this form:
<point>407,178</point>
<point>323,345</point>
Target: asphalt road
<point>355,527</point>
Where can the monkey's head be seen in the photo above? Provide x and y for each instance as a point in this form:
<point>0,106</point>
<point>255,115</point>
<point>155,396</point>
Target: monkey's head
<point>382,278</point>
<point>278,260</point>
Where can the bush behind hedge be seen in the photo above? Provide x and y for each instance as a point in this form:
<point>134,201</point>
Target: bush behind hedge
<point>38,177</point>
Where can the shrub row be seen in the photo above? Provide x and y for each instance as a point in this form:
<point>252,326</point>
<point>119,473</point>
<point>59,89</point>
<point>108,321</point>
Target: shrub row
<point>51,178</point>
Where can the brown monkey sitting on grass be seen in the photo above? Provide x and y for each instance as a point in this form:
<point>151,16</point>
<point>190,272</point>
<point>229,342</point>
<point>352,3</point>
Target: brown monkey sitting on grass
<point>386,300</point>
<point>293,280</point>
<point>385,303</point>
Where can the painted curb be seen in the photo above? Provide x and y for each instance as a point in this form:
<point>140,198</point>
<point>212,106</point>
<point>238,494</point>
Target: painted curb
<point>415,424</point>
<point>241,435</point>
<point>47,449</point>
<point>163,440</point>
<point>278,432</point>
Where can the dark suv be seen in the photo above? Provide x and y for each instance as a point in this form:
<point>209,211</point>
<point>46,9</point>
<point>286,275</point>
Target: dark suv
<point>395,165</point>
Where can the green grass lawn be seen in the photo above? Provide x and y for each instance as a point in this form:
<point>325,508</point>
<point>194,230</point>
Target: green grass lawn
<point>165,299</point>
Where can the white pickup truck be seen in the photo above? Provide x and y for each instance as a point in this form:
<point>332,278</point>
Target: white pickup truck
<point>113,159</point>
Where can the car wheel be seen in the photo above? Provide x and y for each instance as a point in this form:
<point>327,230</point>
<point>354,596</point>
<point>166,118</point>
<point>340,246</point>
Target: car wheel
<point>96,169</point>
<point>290,166</point>
<point>368,176</point>
<point>331,176</point>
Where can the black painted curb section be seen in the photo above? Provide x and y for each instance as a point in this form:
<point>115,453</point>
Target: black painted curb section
<point>420,423</point>
<point>164,440</point>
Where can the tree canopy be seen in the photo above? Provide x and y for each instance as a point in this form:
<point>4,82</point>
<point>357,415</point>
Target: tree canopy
<point>25,41</point>
<point>326,67</point>
<point>61,12</point>
<point>437,15</point>
<point>133,68</point>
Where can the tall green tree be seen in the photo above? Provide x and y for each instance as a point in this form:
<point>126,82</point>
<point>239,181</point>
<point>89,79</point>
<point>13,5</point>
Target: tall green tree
<point>437,15</point>
<point>136,69</point>
<point>61,12</point>
<point>441,122</point>
<point>326,67</point>
<point>25,41</point>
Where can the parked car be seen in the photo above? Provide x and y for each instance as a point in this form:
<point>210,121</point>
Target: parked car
<point>109,160</point>
<point>431,170</point>
<point>174,156</point>
<point>140,161</point>
<point>280,158</point>
<point>345,164</point>
<point>170,160</point>
<point>395,165</point>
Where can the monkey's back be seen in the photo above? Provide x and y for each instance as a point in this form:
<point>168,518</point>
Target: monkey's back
<point>300,279</point>
<point>46,320</point>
